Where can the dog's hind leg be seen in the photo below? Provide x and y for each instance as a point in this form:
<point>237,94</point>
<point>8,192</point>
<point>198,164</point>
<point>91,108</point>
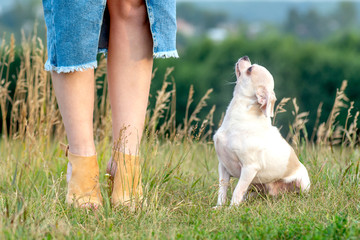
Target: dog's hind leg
<point>304,182</point>
<point>224,179</point>
<point>247,175</point>
<point>300,180</point>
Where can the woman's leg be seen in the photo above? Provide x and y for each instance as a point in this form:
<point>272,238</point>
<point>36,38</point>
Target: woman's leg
<point>75,96</point>
<point>129,75</point>
<point>130,64</point>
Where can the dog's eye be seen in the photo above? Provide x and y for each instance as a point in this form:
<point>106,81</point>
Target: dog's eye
<point>249,70</point>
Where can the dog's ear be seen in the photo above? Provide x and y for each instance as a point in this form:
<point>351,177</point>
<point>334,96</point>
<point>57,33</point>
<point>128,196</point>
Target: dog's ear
<point>266,99</point>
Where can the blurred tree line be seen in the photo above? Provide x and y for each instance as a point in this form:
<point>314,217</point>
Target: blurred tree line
<point>312,25</point>
<point>202,18</point>
<point>309,55</point>
<point>21,16</point>
<point>308,71</point>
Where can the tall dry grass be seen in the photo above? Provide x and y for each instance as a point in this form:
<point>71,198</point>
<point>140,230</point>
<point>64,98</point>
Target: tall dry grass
<point>30,113</point>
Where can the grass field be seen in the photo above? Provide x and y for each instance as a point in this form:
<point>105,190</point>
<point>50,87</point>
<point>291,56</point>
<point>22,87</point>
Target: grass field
<point>179,170</point>
<point>180,182</point>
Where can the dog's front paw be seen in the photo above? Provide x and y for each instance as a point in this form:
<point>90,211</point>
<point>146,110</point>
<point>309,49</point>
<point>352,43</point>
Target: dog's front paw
<point>217,207</point>
<point>236,201</point>
<point>235,204</point>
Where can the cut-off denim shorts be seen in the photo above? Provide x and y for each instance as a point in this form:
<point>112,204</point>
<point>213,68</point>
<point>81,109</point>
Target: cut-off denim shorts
<point>78,29</point>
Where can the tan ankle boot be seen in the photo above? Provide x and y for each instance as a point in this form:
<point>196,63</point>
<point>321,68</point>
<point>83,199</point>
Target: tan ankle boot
<point>83,183</point>
<point>125,171</point>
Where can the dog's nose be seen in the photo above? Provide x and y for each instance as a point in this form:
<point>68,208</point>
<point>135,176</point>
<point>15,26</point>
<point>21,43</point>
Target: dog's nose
<point>245,58</point>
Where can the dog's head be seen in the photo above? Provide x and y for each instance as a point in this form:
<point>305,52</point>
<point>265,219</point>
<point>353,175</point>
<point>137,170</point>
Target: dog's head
<point>256,81</point>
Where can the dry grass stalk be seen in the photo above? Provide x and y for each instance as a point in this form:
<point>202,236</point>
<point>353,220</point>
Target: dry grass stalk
<point>353,131</point>
<point>168,127</point>
<point>339,103</point>
<point>207,122</point>
<point>42,116</point>
<point>350,137</point>
<point>337,135</point>
<point>171,126</point>
<point>102,110</point>
<point>101,70</point>
<point>188,103</point>
<point>348,116</point>
<point>4,100</point>
<point>298,126</point>
<point>318,115</point>
<point>193,117</point>
<point>165,110</point>
<point>280,108</point>
<point>34,115</point>
<point>320,133</point>
<point>7,58</point>
<point>161,104</point>
<point>33,110</point>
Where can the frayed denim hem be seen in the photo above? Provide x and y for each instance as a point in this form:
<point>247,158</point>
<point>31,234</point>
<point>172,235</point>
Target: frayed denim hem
<point>82,67</point>
<point>167,54</point>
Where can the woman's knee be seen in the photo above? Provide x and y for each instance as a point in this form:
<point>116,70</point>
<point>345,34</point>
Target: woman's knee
<point>128,10</point>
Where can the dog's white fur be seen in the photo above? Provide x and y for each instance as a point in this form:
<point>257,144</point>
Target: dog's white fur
<point>248,146</point>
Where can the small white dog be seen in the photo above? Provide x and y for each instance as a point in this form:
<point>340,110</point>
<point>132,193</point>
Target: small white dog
<point>248,146</point>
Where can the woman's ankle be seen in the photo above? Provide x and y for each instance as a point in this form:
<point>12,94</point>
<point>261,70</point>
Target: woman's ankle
<point>82,150</point>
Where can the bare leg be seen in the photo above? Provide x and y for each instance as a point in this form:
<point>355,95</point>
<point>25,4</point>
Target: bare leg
<point>75,97</point>
<point>129,70</point>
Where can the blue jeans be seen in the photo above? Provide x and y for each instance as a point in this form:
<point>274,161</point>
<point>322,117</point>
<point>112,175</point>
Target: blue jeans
<point>78,29</point>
